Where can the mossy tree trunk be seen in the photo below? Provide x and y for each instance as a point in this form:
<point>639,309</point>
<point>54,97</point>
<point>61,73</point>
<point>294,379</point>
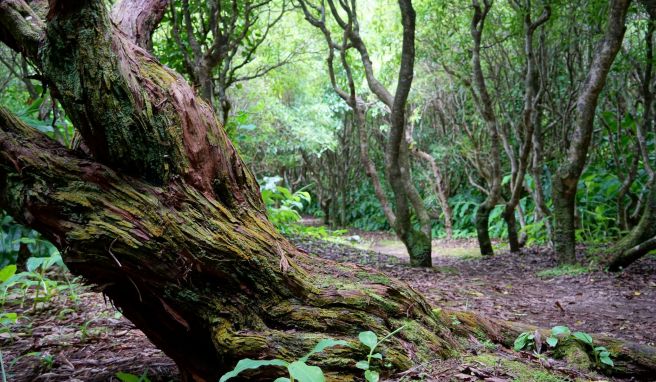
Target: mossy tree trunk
<point>163,215</point>
<point>483,229</point>
<point>642,238</point>
<point>639,241</point>
<point>565,179</point>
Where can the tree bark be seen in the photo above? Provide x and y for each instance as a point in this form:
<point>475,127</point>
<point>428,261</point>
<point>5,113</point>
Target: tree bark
<point>565,180</point>
<point>138,19</point>
<point>482,222</point>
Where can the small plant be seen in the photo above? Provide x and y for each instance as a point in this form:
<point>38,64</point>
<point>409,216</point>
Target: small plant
<point>600,353</point>
<point>527,340</point>
<point>556,333</point>
<point>298,370</point>
<point>128,377</point>
<point>370,340</point>
<point>283,206</point>
<point>35,279</point>
<point>7,319</point>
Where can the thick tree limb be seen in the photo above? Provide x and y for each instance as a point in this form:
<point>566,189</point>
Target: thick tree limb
<point>20,27</point>
<point>138,19</point>
<point>204,283</point>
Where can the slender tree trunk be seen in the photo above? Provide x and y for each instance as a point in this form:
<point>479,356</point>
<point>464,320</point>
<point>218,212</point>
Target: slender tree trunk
<point>564,203</point>
<point>529,120</point>
<point>448,219</point>
<point>483,229</point>
<point>484,104</point>
<point>369,166</point>
<point>440,185</point>
<point>511,223</point>
<point>566,178</point>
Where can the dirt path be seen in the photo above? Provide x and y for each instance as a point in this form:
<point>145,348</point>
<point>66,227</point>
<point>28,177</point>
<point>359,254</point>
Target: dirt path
<point>507,286</point>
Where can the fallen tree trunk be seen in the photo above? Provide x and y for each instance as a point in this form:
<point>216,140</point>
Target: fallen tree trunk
<point>207,285</point>
<point>631,359</point>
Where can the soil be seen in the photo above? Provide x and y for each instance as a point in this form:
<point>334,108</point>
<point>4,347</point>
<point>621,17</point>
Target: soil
<point>81,337</point>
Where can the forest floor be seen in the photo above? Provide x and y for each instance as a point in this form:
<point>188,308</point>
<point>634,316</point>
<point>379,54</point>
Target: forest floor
<point>77,336</point>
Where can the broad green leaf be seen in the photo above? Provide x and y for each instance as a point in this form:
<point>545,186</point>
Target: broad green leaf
<point>282,379</point>
<point>606,360</point>
<point>8,318</point>
<point>7,272</point>
<point>583,337</point>
<point>247,363</point>
<point>552,341</point>
<point>364,365</point>
<point>371,376</point>
<point>34,262</point>
<point>377,356</point>
<point>323,345</point>
<point>521,341</point>
<point>368,338</point>
<point>558,330</point>
<point>303,372</point>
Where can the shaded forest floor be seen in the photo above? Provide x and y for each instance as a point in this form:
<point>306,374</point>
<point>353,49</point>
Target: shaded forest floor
<point>81,337</point>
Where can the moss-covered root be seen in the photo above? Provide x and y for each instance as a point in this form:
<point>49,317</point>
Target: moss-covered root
<point>630,358</point>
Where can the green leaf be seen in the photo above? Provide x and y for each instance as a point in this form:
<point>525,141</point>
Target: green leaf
<point>7,272</point>
<point>606,360</point>
<point>552,341</point>
<point>247,363</point>
<point>302,372</point>
<point>368,338</point>
<point>34,262</point>
<point>371,376</point>
<point>521,341</point>
<point>8,318</point>
<point>282,379</point>
<point>323,345</point>
<point>377,356</point>
<point>558,330</point>
<point>364,365</point>
<point>583,337</point>
<point>127,377</point>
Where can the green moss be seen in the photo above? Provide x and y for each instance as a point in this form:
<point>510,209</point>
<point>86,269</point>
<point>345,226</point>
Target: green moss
<point>572,352</point>
<point>564,270</point>
<point>520,372</point>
